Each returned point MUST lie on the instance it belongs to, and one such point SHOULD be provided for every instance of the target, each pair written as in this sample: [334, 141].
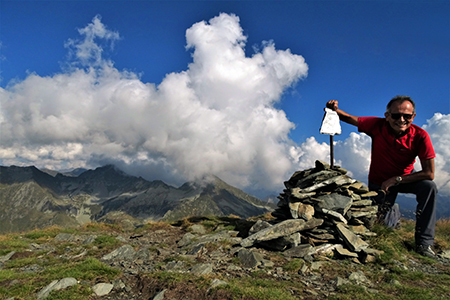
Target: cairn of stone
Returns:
[321, 210]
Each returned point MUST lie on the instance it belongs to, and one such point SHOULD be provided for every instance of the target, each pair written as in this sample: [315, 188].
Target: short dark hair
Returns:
[401, 99]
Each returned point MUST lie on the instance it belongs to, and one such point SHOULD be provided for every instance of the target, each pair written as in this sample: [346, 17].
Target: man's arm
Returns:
[427, 173]
[343, 116]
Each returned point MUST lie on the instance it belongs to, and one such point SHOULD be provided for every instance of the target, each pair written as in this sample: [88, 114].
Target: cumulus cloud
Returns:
[439, 128]
[216, 117]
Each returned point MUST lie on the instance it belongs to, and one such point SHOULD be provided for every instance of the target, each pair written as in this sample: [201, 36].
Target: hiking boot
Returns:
[425, 251]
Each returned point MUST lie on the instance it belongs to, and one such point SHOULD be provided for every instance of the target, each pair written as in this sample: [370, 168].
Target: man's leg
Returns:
[425, 192]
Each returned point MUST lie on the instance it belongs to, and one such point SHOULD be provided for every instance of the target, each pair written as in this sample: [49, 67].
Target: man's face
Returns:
[400, 116]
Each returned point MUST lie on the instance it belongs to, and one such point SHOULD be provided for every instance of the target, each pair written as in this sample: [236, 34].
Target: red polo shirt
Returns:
[393, 156]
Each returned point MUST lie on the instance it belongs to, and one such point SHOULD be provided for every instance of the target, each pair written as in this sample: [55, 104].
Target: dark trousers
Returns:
[425, 191]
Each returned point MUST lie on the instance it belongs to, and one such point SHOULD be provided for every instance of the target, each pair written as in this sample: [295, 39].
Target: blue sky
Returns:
[361, 53]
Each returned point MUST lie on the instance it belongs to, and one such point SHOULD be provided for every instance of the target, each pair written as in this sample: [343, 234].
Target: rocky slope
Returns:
[199, 258]
[30, 198]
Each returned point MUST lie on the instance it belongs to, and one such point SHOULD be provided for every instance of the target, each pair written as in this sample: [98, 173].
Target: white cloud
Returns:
[438, 127]
[216, 117]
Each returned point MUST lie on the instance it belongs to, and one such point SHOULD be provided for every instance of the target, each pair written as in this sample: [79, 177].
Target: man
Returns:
[396, 143]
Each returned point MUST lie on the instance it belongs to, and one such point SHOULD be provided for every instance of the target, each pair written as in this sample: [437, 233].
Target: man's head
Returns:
[400, 113]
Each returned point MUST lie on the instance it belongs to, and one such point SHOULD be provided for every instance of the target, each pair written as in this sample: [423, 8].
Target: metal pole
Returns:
[331, 151]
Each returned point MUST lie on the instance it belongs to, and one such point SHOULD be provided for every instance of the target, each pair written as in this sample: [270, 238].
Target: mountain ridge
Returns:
[62, 200]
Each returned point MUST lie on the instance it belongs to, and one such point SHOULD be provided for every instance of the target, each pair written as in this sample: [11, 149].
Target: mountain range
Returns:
[32, 198]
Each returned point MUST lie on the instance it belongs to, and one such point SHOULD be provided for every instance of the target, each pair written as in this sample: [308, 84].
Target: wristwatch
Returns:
[398, 180]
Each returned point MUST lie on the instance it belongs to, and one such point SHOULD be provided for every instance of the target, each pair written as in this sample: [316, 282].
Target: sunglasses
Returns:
[398, 116]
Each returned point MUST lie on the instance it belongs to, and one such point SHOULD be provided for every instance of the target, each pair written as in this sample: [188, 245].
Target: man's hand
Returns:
[388, 183]
[343, 116]
[427, 173]
[332, 104]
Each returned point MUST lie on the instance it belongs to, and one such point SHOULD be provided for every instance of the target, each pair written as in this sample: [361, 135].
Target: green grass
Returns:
[106, 241]
[263, 289]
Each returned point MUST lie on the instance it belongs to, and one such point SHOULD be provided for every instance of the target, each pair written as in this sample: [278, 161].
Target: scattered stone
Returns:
[359, 278]
[160, 295]
[65, 237]
[202, 269]
[56, 285]
[6, 257]
[198, 229]
[126, 252]
[444, 254]
[258, 226]
[176, 266]
[216, 283]
[102, 289]
[250, 259]
[300, 251]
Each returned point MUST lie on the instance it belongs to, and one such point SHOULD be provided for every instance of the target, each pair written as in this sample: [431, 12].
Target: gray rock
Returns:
[198, 250]
[65, 237]
[344, 252]
[102, 289]
[300, 251]
[362, 203]
[359, 278]
[126, 252]
[297, 194]
[284, 228]
[250, 259]
[335, 215]
[335, 202]
[89, 239]
[282, 243]
[143, 254]
[121, 238]
[160, 295]
[233, 267]
[176, 266]
[202, 269]
[198, 229]
[315, 177]
[363, 212]
[41, 247]
[444, 254]
[258, 226]
[337, 181]
[219, 236]
[216, 283]
[34, 268]
[351, 240]
[56, 285]
[341, 281]
[6, 257]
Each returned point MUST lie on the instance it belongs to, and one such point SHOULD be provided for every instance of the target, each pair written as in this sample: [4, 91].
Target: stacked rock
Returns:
[341, 203]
